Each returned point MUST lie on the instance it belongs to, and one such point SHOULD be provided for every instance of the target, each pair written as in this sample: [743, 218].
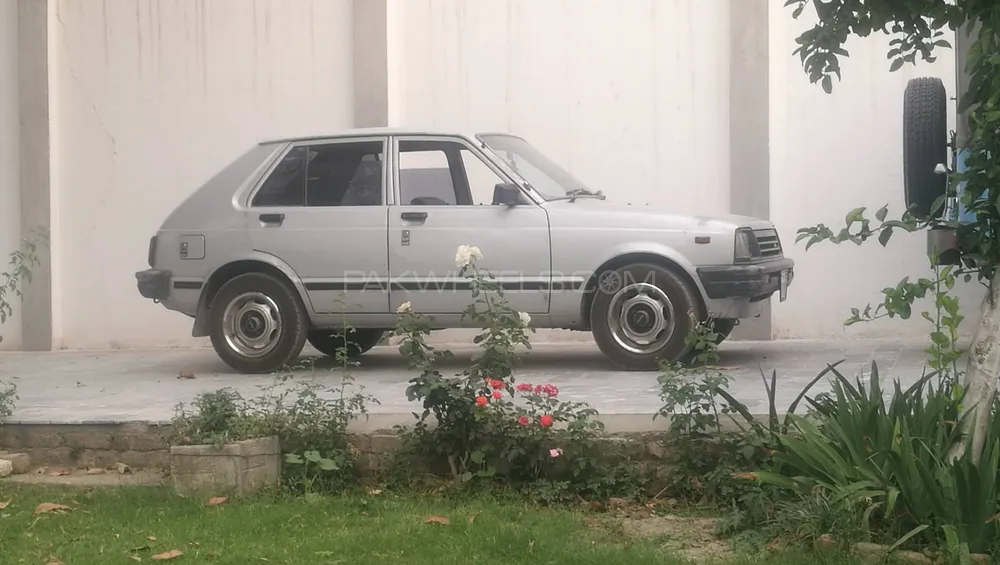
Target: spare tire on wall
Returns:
[925, 143]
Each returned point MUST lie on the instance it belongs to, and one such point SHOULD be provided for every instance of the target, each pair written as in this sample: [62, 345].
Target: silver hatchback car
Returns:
[297, 237]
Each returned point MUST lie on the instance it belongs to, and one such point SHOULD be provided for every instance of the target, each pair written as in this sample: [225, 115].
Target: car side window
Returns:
[443, 173]
[425, 176]
[332, 174]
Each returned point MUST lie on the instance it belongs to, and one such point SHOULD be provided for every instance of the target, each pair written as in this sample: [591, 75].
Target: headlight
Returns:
[742, 251]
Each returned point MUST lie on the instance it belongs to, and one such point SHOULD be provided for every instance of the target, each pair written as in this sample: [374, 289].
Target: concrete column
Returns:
[33, 92]
[371, 63]
[749, 134]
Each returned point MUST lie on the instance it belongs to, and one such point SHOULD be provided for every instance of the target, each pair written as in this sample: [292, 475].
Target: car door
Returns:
[443, 190]
[322, 210]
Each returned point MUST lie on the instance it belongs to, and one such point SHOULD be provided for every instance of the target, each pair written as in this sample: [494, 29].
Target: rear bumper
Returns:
[756, 282]
[154, 284]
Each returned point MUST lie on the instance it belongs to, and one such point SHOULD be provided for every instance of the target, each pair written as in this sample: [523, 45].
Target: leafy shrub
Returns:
[310, 421]
[891, 459]
[8, 398]
[20, 264]
[481, 425]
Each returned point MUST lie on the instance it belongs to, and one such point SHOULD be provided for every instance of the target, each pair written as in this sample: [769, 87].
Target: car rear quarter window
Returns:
[331, 174]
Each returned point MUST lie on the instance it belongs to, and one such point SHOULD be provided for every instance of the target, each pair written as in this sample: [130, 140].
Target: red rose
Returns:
[523, 387]
[545, 421]
[496, 384]
[524, 420]
[481, 400]
[497, 395]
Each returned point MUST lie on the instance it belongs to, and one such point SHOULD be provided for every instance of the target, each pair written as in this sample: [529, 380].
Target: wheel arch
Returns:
[660, 258]
[256, 263]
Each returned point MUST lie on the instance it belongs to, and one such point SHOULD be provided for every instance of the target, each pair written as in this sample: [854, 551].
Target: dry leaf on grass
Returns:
[172, 554]
[5, 504]
[151, 538]
[50, 507]
[437, 520]
[135, 558]
[217, 500]
[473, 517]
[54, 561]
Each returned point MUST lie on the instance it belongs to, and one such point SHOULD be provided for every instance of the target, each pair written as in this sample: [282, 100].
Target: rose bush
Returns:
[483, 425]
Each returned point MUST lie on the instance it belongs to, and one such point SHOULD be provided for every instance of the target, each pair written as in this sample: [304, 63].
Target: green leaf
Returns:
[855, 215]
[882, 213]
[328, 465]
[884, 236]
[827, 84]
[896, 65]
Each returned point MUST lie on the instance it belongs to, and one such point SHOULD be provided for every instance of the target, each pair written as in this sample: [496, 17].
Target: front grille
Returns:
[768, 243]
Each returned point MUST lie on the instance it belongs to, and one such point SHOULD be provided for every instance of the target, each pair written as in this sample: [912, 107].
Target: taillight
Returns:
[151, 257]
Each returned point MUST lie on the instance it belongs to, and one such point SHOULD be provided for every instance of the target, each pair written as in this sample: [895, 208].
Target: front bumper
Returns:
[754, 281]
[154, 284]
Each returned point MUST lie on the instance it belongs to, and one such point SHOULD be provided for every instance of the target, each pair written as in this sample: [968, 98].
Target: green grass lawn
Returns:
[132, 524]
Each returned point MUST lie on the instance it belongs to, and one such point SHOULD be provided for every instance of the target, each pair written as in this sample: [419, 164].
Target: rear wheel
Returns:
[925, 143]
[640, 316]
[257, 323]
[359, 341]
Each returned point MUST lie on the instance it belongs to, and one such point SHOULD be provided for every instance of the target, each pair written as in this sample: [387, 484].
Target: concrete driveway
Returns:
[123, 385]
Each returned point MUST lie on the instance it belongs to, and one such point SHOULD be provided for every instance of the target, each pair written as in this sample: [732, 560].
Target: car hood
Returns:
[610, 214]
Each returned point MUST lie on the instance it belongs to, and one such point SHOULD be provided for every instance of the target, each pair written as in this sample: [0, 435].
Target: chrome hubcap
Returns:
[641, 318]
[251, 324]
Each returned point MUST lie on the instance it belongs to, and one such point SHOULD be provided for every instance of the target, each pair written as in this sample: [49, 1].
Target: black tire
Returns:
[359, 341]
[925, 143]
[722, 328]
[683, 297]
[291, 333]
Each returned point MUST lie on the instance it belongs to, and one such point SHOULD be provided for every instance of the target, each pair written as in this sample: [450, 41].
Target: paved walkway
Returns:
[75, 386]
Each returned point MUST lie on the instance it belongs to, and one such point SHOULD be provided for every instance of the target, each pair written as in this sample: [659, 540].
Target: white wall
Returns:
[632, 97]
[151, 99]
[830, 154]
[10, 201]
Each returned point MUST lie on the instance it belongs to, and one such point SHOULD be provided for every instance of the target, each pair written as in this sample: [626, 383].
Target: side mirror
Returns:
[507, 194]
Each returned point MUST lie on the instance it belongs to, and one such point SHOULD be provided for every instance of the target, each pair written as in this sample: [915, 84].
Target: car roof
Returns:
[365, 132]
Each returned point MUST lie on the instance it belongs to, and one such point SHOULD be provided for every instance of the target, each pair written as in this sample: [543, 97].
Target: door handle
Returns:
[413, 216]
[272, 219]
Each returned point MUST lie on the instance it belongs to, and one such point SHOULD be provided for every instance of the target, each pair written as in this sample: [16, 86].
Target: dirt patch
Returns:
[80, 478]
[689, 537]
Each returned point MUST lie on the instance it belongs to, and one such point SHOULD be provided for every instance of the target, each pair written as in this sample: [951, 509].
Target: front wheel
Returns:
[358, 341]
[257, 323]
[641, 316]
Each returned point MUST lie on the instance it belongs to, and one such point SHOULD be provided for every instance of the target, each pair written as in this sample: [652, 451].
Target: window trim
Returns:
[247, 201]
[462, 141]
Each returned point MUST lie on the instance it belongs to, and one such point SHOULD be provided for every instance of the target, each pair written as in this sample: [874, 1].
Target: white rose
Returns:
[525, 318]
[404, 308]
[466, 254]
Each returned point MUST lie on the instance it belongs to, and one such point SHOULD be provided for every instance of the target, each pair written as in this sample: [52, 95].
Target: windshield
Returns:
[545, 176]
